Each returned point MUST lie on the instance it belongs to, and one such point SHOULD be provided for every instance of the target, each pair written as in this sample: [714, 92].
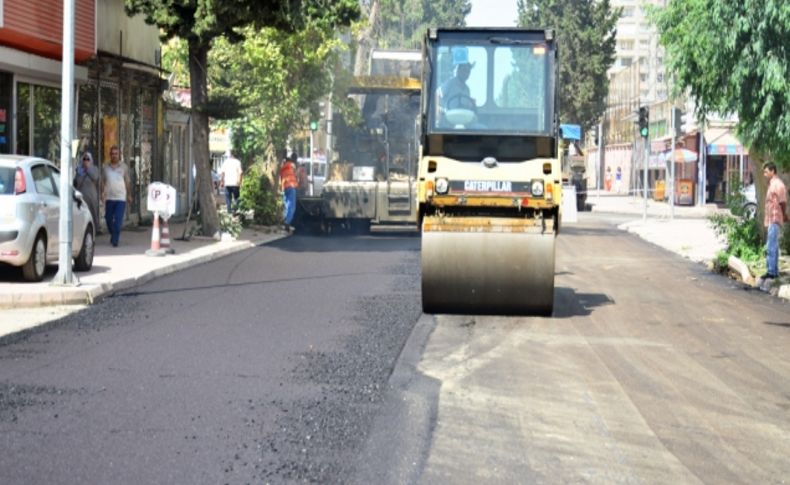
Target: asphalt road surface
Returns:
[652, 370]
[266, 366]
[308, 360]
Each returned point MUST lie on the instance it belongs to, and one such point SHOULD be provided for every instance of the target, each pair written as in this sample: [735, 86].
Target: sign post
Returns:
[162, 202]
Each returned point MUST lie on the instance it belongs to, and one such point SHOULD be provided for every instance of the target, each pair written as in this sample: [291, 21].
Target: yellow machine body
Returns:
[489, 197]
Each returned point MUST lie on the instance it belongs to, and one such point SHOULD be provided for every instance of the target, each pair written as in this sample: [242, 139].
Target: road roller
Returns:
[489, 178]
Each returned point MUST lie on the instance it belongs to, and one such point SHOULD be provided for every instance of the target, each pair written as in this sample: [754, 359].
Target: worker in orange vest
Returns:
[288, 185]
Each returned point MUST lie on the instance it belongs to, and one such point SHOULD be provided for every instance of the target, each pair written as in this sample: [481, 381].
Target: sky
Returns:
[492, 13]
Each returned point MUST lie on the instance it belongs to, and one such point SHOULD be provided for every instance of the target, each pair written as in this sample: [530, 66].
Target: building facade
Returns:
[117, 86]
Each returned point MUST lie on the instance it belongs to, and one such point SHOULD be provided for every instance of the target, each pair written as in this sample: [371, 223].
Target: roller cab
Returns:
[489, 176]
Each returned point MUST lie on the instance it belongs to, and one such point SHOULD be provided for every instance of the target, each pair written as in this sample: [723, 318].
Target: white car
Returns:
[30, 217]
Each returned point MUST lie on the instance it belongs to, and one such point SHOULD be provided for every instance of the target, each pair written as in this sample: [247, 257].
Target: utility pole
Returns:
[600, 161]
[672, 163]
[65, 275]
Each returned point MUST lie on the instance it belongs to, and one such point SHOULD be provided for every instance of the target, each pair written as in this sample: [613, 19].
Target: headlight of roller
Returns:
[537, 188]
[442, 186]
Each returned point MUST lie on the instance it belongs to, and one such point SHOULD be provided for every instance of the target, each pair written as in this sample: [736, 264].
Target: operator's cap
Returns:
[461, 56]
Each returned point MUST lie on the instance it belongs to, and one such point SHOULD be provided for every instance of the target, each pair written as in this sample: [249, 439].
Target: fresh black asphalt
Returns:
[266, 366]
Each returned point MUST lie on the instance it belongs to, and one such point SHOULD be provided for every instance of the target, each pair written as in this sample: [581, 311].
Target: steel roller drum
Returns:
[488, 272]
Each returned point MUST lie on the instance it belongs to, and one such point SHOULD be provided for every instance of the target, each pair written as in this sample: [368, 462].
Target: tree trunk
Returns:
[366, 41]
[198, 58]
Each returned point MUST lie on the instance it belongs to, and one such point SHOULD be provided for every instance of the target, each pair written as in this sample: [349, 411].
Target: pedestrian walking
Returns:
[618, 180]
[230, 177]
[608, 179]
[288, 185]
[116, 190]
[775, 217]
[86, 180]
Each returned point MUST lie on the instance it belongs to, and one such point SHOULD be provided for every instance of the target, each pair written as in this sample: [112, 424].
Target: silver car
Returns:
[30, 217]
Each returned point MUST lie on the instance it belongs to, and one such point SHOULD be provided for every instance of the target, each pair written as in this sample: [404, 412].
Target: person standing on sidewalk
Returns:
[618, 180]
[775, 217]
[230, 178]
[608, 180]
[116, 191]
[86, 181]
[288, 185]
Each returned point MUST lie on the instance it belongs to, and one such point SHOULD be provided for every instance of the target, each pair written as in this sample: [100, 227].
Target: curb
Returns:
[90, 294]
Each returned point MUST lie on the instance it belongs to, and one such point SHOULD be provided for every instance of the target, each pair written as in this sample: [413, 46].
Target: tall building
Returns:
[637, 43]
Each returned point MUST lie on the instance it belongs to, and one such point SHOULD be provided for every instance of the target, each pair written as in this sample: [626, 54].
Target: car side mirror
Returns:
[76, 195]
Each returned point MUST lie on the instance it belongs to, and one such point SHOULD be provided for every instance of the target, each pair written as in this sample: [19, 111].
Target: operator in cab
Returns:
[454, 93]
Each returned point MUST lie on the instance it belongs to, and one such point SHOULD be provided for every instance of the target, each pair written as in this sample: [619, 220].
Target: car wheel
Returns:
[33, 269]
[84, 260]
[750, 211]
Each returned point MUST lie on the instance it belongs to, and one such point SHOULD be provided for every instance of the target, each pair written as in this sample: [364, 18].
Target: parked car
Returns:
[30, 217]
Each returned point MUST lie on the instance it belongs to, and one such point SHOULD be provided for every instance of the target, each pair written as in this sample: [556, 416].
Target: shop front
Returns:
[728, 163]
[119, 105]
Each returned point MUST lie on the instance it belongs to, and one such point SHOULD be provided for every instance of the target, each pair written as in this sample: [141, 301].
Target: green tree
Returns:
[277, 77]
[733, 57]
[401, 24]
[199, 23]
[586, 37]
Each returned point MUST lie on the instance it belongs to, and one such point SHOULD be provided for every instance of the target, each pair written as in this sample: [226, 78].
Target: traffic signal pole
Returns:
[672, 165]
[647, 154]
[644, 132]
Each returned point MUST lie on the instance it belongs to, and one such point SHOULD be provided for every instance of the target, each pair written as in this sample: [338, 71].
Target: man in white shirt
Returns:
[230, 178]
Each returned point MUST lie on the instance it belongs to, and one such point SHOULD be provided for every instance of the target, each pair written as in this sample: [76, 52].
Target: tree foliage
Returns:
[586, 38]
[278, 78]
[403, 23]
[734, 57]
[199, 23]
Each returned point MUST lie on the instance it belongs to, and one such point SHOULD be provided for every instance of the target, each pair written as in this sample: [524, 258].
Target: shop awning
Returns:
[658, 145]
[722, 141]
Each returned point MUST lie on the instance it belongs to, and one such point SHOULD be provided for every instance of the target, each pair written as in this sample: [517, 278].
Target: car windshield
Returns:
[7, 180]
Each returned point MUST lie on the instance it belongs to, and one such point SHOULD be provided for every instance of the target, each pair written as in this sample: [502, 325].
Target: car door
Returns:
[49, 204]
[78, 215]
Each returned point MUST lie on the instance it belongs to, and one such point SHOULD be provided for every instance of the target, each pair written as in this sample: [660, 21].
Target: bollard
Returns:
[165, 239]
[156, 248]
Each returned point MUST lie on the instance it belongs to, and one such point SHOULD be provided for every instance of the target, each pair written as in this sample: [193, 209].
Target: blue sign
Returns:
[570, 132]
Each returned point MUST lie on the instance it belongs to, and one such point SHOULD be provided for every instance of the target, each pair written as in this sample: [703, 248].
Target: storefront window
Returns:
[109, 120]
[23, 97]
[6, 87]
[87, 120]
[46, 123]
[38, 121]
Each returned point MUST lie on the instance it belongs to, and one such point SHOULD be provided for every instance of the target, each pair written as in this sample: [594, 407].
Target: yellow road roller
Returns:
[489, 180]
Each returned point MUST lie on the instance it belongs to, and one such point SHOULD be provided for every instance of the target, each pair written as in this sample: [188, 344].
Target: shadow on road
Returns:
[374, 242]
[185, 289]
[778, 324]
[568, 303]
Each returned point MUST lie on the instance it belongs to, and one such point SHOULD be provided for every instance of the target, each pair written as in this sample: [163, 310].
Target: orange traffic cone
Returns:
[165, 239]
[156, 248]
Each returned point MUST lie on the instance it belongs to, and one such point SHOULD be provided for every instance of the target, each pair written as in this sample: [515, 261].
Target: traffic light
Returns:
[313, 125]
[677, 121]
[687, 124]
[594, 133]
[644, 121]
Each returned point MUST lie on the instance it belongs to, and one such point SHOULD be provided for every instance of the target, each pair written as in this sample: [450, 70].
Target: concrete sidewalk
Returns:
[687, 232]
[123, 267]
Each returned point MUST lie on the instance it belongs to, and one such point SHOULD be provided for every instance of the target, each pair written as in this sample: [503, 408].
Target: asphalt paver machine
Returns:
[489, 178]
